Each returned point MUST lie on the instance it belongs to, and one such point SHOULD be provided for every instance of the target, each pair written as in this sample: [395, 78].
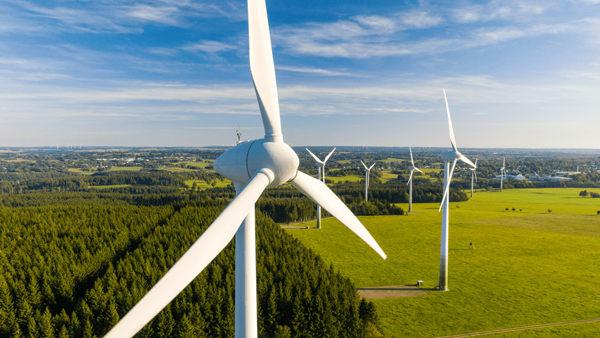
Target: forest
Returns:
[73, 271]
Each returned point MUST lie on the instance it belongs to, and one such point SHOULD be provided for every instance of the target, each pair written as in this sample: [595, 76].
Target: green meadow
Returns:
[203, 185]
[530, 266]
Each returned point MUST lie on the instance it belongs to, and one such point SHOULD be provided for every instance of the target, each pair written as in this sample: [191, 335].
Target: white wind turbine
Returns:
[321, 166]
[449, 156]
[412, 169]
[252, 166]
[473, 175]
[367, 174]
[502, 172]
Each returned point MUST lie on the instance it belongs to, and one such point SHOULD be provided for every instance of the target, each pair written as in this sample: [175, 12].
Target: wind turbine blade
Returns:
[452, 140]
[410, 178]
[411, 157]
[262, 68]
[476, 162]
[475, 172]
[364, 165]
[467, 161]
[322, 195]
[328, 156]
[313, 155]
[419, 170]
[371, 167]
[447, 187]
[198, 256]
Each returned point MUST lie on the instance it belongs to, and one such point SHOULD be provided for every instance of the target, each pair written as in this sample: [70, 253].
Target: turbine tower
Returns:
[473, 175]
[367, 173]
[449, 156]
[252, 166]
[321, 166]
[502, 172]
[412, 169]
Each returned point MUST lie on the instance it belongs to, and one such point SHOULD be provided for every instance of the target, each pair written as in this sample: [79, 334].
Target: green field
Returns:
[197, 164]
[203, 185]
[349, 178]
[529, 267]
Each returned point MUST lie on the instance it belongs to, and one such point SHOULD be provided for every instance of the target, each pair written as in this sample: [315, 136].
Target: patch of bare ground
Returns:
[394, 291]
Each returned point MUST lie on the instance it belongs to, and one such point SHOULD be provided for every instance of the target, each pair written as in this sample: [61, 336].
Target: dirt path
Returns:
[522, 328]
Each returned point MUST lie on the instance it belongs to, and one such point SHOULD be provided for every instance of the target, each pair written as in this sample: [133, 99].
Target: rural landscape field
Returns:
[528, 266]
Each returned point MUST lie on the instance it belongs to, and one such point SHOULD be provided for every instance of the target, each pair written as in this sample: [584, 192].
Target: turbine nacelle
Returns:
[450, 155]
[241, 162]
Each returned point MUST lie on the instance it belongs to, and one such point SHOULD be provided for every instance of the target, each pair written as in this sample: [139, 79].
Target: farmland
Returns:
[530, 266]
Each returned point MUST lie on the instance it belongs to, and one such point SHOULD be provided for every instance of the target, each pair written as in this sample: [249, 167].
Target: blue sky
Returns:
[522, 74]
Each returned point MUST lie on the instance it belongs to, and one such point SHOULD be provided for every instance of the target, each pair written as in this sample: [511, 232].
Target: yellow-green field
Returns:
[203, 185]
[197, 164]
[529, 267]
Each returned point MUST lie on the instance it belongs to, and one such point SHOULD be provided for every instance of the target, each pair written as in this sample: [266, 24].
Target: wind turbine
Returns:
[367, 173]
[252, 166]
[502, 172]
[320, 164]
[473, 174]
[412, 169]
[449, 156]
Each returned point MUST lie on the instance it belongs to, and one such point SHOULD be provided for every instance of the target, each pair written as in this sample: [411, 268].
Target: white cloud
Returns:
[317, 71]
[513, 10]
[162, 14]
[210, 47]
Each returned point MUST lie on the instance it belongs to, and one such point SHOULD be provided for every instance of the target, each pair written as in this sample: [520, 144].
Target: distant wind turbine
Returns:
[473, 175]
[321, 176]
[449, 156]
[502, 173]
[252, 166]
[412, 169]
[367, 174]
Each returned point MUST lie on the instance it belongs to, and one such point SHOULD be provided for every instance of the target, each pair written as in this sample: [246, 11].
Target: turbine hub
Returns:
[241, 162]
[449, 156]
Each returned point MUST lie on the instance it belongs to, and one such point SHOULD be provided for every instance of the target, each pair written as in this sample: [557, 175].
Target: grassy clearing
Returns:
[387, 175]
[528, 267]
[203, 185]
[125, 168]
[197, 164]
[350, 178]
[392, 160]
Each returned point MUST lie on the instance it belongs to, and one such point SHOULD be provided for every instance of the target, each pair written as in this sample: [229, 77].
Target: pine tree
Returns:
[110, 317]
[46, 329]
[32, 330]
[184, 328]
[88, 329]
[64, 332]
[166, 324]
[75, 325]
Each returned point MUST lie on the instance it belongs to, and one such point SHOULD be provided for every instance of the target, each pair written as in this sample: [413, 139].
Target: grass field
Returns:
[528, 267]
[197, 164]
[203, 185]
[350, 178]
